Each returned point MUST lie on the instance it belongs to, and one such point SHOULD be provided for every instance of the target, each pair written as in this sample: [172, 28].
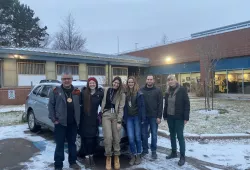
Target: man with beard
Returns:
[153, 103]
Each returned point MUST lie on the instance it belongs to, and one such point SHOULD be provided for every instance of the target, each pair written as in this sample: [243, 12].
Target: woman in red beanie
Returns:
[91, 99]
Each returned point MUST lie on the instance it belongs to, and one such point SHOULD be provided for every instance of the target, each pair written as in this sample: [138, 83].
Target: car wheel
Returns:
[78, 143]
[32, 122]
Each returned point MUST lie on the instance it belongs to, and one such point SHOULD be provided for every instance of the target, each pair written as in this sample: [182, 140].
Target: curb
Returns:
[165, 134]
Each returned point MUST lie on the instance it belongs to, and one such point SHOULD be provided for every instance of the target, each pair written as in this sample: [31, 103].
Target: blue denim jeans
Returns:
[134, 134]
[149, 122]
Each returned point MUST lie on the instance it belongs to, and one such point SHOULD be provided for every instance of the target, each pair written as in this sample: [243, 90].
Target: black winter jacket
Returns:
[182, 105]
[153, 99]
[89, 124]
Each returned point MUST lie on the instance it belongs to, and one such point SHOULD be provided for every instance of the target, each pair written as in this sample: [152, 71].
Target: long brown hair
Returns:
[135, 88]
[87, 95]
[120, 89]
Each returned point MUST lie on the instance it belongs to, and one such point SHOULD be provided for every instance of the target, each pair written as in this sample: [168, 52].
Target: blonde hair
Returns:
[171, 76]
[135, 88]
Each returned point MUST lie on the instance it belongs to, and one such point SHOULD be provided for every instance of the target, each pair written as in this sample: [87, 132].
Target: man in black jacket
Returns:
[153, 104]
[176, 112]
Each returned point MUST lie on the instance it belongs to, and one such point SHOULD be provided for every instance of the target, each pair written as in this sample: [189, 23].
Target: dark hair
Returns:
[150, 75]
[120, 82]
[120, 88]
[87, 95]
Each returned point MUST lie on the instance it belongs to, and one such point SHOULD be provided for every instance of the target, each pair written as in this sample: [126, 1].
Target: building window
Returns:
[31, 67]
[220, 82]
[246, 79]
[70, 68]
[195, 77]
[235, 81]
[118, 71]
[96, 70]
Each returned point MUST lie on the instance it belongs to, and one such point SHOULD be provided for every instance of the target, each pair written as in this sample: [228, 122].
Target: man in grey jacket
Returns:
[153, 99]
[64, 112]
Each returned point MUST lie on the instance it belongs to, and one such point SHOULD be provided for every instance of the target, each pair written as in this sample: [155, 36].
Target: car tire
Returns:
[33, 126]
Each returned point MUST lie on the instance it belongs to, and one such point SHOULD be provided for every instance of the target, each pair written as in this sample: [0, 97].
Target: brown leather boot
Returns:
[108, 163]
[117, 162]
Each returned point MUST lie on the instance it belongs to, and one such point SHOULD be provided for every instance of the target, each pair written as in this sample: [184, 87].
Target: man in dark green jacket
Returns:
[153, 105]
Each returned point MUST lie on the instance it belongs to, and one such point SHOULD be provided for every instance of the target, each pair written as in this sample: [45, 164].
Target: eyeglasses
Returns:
[64, 79]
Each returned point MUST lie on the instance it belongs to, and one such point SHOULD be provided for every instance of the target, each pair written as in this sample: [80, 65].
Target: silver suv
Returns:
[36, 112]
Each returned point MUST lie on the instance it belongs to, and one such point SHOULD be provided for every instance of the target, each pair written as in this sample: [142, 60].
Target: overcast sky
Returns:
[138, 21]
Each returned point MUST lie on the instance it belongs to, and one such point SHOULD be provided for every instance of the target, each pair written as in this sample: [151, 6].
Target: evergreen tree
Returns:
[18, 26]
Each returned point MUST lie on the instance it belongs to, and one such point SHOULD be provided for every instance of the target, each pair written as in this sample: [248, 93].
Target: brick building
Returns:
[183, 58]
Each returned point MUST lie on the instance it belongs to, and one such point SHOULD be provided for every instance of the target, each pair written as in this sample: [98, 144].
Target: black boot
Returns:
[172, 155]
[182, 160]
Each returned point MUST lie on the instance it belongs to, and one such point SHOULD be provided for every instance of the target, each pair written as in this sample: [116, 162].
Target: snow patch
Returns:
[12, 108]
[211, 112]
[222, 152]
[160, 164]
[44, 158]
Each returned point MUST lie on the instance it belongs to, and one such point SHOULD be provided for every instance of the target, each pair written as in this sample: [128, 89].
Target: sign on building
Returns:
[11, 94]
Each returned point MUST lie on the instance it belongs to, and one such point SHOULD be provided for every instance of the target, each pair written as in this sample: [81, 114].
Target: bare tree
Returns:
[69, 37]
[209, 56]
[164, 39]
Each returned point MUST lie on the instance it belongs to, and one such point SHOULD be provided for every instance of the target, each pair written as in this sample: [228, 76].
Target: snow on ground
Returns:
[39, 161]
[11, 115]
[212, 112]
[12, 108]
[44, 159]
[233, 117]
[161, 164]
[235, 153]
[10, 118]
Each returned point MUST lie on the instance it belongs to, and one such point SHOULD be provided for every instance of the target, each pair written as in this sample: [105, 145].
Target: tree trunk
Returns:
[208, 98]
[208, 92]
[205, 94]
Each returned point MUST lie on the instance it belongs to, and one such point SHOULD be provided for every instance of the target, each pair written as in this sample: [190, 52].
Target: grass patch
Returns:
[223, 111]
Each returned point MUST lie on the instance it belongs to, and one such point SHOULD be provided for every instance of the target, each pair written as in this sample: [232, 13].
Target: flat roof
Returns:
[223, 29]
[74, 56]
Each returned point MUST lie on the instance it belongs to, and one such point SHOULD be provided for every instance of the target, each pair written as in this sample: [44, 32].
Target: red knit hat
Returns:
[93, 79]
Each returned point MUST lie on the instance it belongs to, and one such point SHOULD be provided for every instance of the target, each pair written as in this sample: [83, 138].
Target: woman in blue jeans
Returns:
[134, 115]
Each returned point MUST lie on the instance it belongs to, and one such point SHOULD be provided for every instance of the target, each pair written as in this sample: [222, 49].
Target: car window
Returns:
[36, 90]
[45, 91]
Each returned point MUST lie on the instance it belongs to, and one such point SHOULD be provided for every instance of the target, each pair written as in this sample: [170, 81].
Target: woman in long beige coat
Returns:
[112, 113]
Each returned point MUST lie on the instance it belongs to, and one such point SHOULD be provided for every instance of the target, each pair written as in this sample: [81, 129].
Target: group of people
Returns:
[140, 110]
